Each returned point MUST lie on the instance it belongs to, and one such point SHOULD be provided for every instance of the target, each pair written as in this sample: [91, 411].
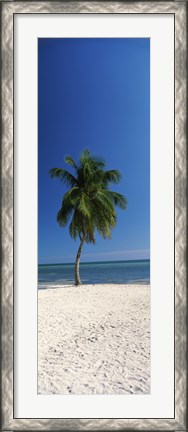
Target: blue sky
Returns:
[95, 94]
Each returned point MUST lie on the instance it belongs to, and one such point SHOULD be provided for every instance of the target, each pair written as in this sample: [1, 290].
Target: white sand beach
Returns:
[94, 339]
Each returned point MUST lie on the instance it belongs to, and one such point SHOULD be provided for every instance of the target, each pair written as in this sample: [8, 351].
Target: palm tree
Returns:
[89, 202]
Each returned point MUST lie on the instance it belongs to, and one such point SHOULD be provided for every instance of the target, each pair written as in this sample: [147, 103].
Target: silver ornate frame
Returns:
[8, 8]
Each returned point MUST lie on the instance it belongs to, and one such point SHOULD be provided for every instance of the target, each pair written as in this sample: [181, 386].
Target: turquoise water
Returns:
[95, 273]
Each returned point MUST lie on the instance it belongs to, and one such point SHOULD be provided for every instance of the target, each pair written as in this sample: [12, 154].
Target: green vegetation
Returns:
[88, 203]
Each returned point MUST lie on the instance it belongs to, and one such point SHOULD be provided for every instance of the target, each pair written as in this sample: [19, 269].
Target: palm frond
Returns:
[104, 201]
[94, 161]
[69, 202]
[73, 228]
[72, 196]
[87, 171]
[64, 175]
[90, 234]
[111, 176]
[83, 206]
[64, 215]
[118, 199]
[76, 225]
[70, 161]
[104, 219]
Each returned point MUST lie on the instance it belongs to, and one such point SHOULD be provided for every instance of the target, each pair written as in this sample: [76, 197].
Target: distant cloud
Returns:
[119, 252]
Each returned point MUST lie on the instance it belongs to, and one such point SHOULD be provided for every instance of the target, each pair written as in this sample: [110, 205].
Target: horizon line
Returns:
[93, 262]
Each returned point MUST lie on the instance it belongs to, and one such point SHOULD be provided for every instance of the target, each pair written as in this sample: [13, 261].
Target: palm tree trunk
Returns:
[77, 264]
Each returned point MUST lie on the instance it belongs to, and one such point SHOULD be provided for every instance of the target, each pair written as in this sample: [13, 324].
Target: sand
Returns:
[94, 339]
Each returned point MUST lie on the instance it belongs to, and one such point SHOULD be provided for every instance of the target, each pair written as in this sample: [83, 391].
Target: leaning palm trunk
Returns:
[77, 264]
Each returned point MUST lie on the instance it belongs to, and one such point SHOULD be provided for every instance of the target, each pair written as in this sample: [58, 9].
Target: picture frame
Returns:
[9, 422]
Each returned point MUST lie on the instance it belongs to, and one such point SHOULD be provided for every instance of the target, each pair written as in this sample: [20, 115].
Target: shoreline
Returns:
[94, 339]
[48, 286]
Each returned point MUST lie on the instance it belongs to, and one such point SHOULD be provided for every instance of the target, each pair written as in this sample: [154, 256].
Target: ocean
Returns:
[114, 272]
